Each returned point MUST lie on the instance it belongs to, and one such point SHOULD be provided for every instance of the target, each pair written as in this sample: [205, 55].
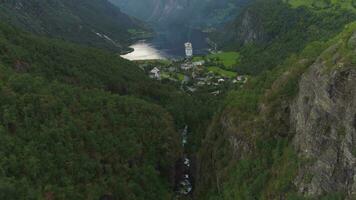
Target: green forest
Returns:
[77, 121]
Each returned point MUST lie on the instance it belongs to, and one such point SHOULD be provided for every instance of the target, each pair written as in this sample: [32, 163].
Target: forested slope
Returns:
[95, 23]
[67, 131]
[290, 132]
[64, 142]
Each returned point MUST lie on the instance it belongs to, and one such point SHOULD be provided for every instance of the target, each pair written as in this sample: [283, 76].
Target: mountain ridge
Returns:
[198, 13]
[93, 23]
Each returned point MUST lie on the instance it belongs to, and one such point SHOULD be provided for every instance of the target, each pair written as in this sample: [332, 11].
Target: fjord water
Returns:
[144, 50]
[168, 43]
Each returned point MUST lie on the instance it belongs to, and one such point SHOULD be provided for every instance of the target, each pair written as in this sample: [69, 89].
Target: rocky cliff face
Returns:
[324, 117]
[249, 30]
[300, 139]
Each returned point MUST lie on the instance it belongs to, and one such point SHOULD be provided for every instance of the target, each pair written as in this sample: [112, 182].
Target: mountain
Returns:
[95, 23]
[290, 132]
[196, 13]
[267, 32]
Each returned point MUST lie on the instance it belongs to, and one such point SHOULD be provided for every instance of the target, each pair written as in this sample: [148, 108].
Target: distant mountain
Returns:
[194, 12]
[94, 23]
[267, 32]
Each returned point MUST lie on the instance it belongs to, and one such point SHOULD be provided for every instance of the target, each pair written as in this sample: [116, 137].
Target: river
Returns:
[168, 44]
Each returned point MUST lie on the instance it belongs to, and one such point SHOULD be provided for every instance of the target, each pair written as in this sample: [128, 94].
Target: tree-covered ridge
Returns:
[95, 23]
[64, 142]
[67, 136]
[68, 63]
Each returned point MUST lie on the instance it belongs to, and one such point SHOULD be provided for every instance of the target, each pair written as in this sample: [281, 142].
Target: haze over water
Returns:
[168, 44]
[144, 51]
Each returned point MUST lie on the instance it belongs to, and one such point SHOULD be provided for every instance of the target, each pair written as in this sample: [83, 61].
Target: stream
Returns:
[184, 180]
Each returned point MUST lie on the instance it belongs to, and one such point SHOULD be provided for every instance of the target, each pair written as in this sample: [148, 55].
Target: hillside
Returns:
[83, 123]
[290, 132]
[64, 142]
[95, 23]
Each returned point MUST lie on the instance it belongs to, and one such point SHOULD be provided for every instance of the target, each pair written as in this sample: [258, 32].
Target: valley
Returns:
[178, 100]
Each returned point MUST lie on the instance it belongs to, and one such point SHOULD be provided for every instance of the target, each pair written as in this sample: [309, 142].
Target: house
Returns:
[155, 73]
[186, 66]
[199, 63]
[191, 89]
[201, 83]
[215, 93]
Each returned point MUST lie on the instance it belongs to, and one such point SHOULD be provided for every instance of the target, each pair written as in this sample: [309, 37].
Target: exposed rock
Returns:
[240, 145]
[250, 30]
[324, 118]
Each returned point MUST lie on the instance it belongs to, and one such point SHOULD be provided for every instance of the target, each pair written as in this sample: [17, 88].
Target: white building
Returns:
[221, 80]
[188, 49]
[199, 63]
[155, 73]
[186, 66]
[239, 78]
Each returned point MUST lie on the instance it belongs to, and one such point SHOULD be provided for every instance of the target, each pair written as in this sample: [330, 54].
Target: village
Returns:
[213, 73]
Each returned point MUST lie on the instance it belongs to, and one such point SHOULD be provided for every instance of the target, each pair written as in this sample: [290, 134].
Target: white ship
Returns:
[188, 49]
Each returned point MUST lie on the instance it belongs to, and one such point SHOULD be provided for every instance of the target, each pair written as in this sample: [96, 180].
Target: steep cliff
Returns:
[324, 118]
[290, 132]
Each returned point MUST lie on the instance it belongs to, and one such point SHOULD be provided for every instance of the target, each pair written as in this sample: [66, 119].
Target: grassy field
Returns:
[180, 76]
[229, 59]
[222, 72]
[165, 75]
